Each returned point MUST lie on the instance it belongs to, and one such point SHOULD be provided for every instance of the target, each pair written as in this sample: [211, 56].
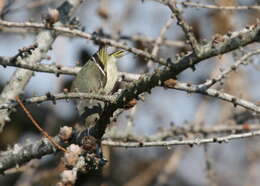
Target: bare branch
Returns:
[20, 154]
[190, 142]
[215, 7]
[185, 27]
[215, 93]
[78, 33]
[51, 68]
[21, 77]
[59, 96]
[147, 82]
[35, 123]
[159, 39]
[234, 67]
[179, 131]
[56, 69]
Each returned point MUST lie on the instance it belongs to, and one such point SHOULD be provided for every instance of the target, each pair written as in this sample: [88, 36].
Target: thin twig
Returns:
[78, 33]
[191, 142]
[54, 68]
[160, 38]
[176, 131]
[233, 67]
[44, 133]
[191, 88]
[185, 27]
[43, 42]
[60, 96]
[215, 7]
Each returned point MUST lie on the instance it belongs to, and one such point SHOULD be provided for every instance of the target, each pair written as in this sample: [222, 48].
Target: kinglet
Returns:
[99, 75]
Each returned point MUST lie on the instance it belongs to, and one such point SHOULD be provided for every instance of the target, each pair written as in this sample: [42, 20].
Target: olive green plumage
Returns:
[98, 75]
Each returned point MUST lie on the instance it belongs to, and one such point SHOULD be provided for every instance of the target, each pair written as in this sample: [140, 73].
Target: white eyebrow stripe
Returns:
[100, 68]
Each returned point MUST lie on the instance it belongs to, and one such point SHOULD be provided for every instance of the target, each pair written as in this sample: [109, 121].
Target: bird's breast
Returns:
[112, 74]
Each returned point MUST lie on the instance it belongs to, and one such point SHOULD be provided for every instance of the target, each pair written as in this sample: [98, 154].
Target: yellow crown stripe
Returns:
[118, 54]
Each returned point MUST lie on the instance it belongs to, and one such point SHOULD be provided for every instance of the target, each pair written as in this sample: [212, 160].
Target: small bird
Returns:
[99, 75]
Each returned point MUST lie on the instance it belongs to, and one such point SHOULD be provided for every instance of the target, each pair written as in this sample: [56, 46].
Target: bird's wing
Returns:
[89, 79]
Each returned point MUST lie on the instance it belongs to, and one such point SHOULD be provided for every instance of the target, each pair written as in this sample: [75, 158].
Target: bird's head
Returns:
[104, 58]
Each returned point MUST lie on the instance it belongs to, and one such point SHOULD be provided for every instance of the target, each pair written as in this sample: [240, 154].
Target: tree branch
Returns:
[147, 82]
[191, 142]
[59, 96]
[21, 77]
